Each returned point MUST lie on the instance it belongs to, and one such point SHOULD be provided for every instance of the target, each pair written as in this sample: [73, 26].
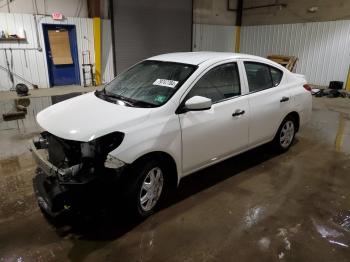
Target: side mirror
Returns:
[198, 103]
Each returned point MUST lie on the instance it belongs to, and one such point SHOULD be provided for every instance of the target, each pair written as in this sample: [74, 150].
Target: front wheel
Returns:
[151, 189]
[145, 188]
[285, 135]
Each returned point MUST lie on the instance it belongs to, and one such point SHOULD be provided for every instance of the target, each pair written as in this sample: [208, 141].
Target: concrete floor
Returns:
[254, 207]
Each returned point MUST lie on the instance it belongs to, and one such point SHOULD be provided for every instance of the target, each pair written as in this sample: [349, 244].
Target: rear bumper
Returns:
[306, 113]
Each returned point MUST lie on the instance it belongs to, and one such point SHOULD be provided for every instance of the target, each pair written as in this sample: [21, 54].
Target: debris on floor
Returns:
[334, 90]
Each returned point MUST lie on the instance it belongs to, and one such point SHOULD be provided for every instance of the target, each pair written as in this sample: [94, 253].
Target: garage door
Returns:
[146, 28]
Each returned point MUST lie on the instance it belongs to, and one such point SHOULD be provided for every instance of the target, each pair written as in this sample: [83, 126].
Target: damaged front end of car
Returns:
[67, 168]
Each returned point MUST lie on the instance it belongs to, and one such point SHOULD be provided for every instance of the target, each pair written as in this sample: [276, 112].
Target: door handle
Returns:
[284, 99]
[238, 112]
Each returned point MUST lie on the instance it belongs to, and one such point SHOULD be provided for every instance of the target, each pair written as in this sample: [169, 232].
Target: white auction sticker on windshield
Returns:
[165, 82]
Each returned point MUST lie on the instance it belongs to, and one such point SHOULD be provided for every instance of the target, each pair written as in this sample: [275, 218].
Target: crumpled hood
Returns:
[87, 117]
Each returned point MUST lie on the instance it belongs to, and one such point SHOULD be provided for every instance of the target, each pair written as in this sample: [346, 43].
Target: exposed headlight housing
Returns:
[107, 143]
[87, 149]
[99, 148]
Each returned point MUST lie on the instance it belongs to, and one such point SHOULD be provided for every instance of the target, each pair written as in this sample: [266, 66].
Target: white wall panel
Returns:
[69, 8]
[213, 38]
[30, 63]
[107, 51]
[322, 47]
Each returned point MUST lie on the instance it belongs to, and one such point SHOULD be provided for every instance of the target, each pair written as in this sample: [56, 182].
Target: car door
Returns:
[269, 100]
[211, 135]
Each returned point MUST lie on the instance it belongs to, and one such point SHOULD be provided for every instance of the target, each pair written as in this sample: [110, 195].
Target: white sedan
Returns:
[162, 119]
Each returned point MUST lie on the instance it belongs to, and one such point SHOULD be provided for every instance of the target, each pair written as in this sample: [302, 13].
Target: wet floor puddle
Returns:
[331, 128]
[20, 113]
[343, 219]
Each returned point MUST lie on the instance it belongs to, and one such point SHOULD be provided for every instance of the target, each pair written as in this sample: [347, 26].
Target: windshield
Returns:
[149, 83]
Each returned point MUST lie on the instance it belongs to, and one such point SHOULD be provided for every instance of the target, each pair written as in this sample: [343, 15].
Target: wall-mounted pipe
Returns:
[8, 6]
[254, 7]
[19, 48]
[39, 48]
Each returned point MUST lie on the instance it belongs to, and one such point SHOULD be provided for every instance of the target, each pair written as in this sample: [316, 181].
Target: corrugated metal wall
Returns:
[107, 51]
[30, 63]
[213, 38]
[323, 48]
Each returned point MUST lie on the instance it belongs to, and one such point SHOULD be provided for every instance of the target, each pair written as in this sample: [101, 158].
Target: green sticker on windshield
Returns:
[160, 99]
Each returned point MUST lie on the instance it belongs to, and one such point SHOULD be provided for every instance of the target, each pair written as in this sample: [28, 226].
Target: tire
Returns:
[145, 187]
[285, 135]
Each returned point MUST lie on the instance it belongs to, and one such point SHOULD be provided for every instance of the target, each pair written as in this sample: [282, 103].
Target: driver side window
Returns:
[220, 83]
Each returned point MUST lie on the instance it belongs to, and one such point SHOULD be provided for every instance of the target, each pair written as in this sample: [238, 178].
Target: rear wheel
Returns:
[285, 134]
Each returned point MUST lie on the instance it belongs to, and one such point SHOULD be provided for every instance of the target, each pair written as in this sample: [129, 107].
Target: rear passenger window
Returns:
[276, 75]
[262, 76]
[218, 84]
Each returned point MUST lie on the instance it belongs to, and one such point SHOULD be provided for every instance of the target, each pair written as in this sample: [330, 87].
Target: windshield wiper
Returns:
[126, 100]
[117, 97]
[121, 98]
[131, 101]
[143, 103]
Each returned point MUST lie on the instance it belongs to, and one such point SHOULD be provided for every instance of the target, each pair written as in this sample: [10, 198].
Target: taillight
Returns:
[307, 87]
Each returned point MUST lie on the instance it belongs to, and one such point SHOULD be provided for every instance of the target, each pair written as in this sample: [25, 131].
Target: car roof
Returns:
[196, 58]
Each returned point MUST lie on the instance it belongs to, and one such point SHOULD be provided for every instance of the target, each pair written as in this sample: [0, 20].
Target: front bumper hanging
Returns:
[60, 189]
[54, 192]
[53, 198]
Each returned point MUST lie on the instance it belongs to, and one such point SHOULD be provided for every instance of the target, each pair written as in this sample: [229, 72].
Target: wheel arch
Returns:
[163, 157]
[296, 116]
[293, 114]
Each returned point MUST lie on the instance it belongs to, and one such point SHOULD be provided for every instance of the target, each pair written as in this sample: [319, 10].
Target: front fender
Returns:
[161, 136]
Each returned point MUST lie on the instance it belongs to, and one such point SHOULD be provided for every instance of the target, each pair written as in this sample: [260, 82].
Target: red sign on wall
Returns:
[57, 16]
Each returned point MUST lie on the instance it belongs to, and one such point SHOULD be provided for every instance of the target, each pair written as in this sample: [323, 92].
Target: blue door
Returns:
[61, 54]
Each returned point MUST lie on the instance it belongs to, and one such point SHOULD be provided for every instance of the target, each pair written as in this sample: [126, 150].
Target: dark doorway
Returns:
[160, 26]
[61, 54]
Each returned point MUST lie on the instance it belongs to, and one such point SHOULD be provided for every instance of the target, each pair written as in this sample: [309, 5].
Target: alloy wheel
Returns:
[151, 189]
[287, 134]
